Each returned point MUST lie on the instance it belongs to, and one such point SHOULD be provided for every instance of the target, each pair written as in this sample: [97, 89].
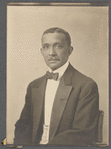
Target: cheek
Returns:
[44, 54]
[63, 55]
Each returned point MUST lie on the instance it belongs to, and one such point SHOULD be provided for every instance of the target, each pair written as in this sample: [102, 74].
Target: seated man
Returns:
[61, 107]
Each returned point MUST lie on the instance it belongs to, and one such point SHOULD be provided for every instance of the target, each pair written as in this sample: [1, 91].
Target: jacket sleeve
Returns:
[84, 127]
[24, 125]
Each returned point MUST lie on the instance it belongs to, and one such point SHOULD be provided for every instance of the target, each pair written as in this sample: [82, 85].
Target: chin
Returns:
[54, 67]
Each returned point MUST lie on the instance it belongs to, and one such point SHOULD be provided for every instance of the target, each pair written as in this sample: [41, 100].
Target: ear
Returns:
[70, 50]
[41, 51]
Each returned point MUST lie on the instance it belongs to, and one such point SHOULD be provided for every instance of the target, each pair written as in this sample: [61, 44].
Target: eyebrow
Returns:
[45, 43]
[54, 43]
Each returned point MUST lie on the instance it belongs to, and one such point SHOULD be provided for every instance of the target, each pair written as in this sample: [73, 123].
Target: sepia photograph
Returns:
[57, 74]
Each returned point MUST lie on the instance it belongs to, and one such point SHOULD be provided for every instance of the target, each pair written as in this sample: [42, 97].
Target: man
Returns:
[61, 107]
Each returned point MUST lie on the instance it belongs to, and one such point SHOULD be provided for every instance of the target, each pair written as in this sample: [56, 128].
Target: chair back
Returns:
[100, 127]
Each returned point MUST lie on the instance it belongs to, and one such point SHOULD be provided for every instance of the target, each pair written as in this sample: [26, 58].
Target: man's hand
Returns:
[4, 143]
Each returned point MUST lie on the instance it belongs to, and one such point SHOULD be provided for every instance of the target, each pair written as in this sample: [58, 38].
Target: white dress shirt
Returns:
[51, 89]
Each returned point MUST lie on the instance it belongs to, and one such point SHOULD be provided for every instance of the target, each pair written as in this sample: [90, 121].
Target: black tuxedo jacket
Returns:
[74, 116]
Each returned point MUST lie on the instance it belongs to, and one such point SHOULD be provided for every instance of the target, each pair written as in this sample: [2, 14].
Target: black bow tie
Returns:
[51, 75]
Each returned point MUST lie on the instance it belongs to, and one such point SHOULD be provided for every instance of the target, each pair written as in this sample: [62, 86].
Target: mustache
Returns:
[53, 58]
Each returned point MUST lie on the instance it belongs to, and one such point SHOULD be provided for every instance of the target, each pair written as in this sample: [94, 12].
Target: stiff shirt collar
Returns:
[60, 70]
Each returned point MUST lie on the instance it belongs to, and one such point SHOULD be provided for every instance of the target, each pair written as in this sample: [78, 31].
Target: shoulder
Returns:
[36, 83]
[81, 79]
[84, 84]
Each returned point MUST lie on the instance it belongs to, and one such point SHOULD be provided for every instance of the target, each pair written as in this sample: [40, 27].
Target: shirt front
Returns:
[51, 89]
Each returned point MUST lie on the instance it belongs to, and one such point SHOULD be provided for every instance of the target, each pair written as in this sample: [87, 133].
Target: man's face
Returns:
[55, 50]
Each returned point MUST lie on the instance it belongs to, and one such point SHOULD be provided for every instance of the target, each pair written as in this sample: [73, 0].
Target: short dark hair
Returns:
[59, 30]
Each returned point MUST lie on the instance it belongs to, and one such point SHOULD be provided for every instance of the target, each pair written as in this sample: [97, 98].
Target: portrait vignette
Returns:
[26, 63]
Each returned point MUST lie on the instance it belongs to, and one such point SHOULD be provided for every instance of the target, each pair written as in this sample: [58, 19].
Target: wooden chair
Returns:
[99, 130]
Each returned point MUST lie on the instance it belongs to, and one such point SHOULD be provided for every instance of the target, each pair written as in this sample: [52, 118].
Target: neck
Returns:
[53, 70]
[61, 69]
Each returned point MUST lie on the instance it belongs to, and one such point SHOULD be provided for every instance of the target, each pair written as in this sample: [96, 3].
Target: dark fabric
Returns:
[74, 116]
[51, 75]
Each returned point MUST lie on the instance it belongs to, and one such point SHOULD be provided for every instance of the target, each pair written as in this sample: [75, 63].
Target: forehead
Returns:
[53, 37]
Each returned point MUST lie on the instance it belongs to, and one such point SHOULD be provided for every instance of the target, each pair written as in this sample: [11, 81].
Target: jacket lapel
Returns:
[38, 102]
[61, 98]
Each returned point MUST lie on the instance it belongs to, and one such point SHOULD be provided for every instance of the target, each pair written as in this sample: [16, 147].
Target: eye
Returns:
[45, 46]
[58, 46]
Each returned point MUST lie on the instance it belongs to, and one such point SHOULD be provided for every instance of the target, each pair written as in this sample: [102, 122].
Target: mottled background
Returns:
[88, 27]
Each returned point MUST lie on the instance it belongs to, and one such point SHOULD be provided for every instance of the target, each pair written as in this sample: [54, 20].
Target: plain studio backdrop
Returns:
[88, 27]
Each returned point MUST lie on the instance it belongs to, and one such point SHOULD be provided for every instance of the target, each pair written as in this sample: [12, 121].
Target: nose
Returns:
[52, 51]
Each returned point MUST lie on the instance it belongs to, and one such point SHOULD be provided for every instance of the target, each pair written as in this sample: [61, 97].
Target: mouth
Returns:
[53, 60]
